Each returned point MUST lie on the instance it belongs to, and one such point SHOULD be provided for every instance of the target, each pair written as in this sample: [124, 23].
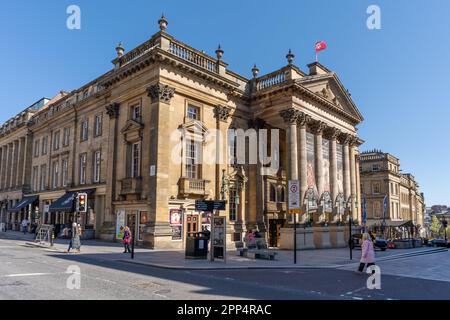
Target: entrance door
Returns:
[131, 223]
[274, 232]
[192, 224]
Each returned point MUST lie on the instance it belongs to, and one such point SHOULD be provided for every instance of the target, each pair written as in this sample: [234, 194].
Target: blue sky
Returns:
[398, 76]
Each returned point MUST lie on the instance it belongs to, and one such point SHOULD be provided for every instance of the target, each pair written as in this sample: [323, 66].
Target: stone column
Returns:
[28, 154]
[345, 139]
[21, 162]
[9, 166]
[358, 187]
[1, 167]
[353, 178]
[4, 167]
[318, 128]
[290, 117]
[332, 135]
[158, 232]
[303, 161]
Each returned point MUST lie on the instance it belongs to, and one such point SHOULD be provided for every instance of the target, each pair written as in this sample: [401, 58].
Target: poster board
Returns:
[120, 224]
[176, 223]
[218, 238]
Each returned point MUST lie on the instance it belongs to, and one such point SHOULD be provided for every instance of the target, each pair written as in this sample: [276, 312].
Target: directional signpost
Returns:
[294, 208]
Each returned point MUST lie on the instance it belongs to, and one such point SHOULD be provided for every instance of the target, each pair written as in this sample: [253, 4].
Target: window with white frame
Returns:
[97, 166]
[44, 146]
[84, 130]
[56, 140]
[136, 160]
[98, 125]
[55, 176]
[83, 166]
[192, 160]
[43, 182]
[65, 172]
[136, 112]
[193, 112]
[35, 178]
[66, 137]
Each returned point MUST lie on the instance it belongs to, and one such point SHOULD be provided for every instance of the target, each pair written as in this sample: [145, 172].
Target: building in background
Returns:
[381, 178]
[116, 138]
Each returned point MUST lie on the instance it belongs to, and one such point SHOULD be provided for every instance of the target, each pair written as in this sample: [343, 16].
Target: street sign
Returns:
[210, 206]
[294, 197]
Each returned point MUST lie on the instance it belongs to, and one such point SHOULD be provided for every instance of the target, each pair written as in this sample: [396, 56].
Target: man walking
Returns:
[25, 225]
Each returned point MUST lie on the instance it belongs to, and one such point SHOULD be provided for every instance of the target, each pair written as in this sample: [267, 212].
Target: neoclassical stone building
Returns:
[157, 109]
[381, 176]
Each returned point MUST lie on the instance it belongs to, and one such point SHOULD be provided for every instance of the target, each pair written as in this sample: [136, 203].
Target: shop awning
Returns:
[24, 203]
[66, 202]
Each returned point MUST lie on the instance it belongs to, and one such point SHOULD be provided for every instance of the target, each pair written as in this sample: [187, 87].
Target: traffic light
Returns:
[82, 202]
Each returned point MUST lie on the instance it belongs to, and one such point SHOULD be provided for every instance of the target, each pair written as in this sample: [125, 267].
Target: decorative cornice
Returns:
[113, 110]
[161, 93]
[222, 113]
[290, 116]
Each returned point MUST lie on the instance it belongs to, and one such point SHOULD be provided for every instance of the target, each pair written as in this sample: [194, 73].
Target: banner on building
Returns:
[120, 224]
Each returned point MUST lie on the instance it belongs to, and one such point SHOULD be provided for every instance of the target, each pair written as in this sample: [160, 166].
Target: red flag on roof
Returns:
[320, 45]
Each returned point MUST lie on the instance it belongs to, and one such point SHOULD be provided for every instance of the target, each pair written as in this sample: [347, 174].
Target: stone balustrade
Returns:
[192, 56]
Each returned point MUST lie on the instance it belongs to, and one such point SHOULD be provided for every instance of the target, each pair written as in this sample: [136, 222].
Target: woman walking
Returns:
[368, 252]
[127, 240]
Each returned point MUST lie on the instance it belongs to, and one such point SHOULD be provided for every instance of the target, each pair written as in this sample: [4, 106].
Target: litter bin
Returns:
[197, 246]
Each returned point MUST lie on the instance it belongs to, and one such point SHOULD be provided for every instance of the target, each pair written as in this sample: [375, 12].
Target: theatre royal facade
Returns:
[116, 138]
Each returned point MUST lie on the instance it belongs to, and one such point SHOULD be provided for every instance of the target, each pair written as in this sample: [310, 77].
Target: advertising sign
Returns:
[176, 223]
[218, 244]
[210, 206]
[120, 224]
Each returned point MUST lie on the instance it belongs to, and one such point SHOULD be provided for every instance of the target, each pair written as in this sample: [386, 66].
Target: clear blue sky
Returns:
[398, 75]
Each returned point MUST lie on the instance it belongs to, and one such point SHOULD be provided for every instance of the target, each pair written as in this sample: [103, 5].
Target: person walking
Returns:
[76, 237]
[367, 253]
[127, 240]
[70, 236]
[25, 225]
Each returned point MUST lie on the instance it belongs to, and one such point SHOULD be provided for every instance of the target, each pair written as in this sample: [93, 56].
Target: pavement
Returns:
[175, 259]
[29, 272]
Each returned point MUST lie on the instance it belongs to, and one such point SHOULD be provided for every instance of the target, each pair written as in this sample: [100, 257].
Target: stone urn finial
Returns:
[255, 71]
[290, 57]
[219, 53]
[120, 50]
[163, 23]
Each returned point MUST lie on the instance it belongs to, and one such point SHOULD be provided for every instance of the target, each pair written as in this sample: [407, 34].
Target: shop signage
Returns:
[210, 206]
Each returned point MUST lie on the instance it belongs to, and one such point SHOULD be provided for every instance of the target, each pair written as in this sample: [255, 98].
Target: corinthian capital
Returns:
[222, 113]
[303, 119]
[332, 133]
[161, 93]
[346, 138]
[112, 110]
[290, 116]
[318, 127]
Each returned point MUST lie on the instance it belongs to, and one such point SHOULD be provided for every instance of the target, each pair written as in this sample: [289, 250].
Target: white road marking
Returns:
[357, 298]
[26, 275]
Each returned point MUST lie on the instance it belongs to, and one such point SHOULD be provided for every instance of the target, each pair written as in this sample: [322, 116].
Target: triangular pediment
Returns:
[195, 126]
[130, 126]
[330, 88]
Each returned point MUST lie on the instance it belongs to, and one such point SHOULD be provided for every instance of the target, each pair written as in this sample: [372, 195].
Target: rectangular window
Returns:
[84, 130]
[56, 138]
[36, 148]
[35, 178]
[376, 167]
[97, 166]
[192, 157]
[55, 177]
[43, 182]
[376, 188]
[193, 112]
[44, 145]
[65, 172]
[233, 205]
[136, 113]
[136, 160]
[98, 128]
[83, 166]
[66, 138]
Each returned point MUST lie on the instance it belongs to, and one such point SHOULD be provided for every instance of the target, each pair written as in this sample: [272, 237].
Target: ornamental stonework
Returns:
[113, 110]
[290, 116]
[161, 93]
[222, 113]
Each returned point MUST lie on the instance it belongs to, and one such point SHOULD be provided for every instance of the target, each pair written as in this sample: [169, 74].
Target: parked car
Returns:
[378, 243]
[438, 243]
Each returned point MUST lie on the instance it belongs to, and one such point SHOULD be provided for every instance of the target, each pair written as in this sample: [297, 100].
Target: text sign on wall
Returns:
[210, 206]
